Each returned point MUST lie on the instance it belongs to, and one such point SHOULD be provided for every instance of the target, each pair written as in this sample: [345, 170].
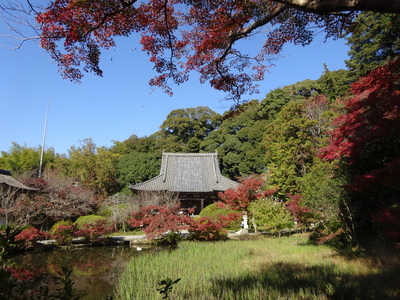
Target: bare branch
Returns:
[19, 20]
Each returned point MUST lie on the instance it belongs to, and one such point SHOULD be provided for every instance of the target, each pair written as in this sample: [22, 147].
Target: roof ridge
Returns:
[188, 154]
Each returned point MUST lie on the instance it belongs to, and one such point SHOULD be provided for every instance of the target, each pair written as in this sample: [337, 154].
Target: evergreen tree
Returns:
[374, 40]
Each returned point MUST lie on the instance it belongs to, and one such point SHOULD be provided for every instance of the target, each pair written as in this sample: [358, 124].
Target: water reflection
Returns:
[94, 269]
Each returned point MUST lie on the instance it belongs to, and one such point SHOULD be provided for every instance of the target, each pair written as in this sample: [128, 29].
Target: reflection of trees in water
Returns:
[94, 270]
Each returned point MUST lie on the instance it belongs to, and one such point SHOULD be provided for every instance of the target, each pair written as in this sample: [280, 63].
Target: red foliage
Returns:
[208, 229]
[57, 199]
[38, 183]
[249, 190]
[373, 113]
[21, 274]
[93, 231]
[367, 136]
[179, 36]
[300, 212]
[30, 236]
[330, 237]
[64, 234]
[156, 220]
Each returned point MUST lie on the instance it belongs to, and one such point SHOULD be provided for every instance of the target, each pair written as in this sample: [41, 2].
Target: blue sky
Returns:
[121, 103]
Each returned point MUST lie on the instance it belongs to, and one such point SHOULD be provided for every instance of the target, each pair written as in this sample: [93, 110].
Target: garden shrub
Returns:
[169, 239]
[92, 227]
[83, 221]
[30, 236]
[156, 220]
[63, 232]
[207, 229]
[214, 211]
[58, 224]
[105, 212]
[95, 230]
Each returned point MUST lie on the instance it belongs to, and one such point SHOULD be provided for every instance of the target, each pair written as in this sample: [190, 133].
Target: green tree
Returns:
[323, 191]
[238, 141]
[134, 143]
[190, 126]
[91, 167]
[22, 158]
[334, 84]
[270, 214]
[137, 167]
[276, 99]
[374, 40]
[292, 139]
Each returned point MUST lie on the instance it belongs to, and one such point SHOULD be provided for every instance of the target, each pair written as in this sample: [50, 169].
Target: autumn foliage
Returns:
[95, 230]
[208, 229]
[30, 236]
[180, 36]
[301, 213]
[247, 191]
[367, 138]
[156, 220]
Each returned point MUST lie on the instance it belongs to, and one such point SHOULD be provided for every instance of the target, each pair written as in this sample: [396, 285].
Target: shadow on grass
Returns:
[296, 281]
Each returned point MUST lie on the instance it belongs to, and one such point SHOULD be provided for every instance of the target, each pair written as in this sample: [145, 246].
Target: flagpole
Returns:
[43, 141]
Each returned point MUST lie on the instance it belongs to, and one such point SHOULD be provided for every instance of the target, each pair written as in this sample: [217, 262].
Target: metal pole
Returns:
[43, 141]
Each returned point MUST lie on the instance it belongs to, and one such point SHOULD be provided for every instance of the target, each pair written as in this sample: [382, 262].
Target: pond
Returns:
[95, 270]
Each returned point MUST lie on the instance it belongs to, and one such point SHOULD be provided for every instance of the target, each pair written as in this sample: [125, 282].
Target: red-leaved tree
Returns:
[240, 198]
[156, 220]
[367, 139]
[183, 36]
[30, 236]
[209, 229]
[59, 198]
[301, 213]
[247, 191]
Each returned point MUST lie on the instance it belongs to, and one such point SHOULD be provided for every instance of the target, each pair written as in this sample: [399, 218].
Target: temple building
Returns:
[196, 178]
[6, 180]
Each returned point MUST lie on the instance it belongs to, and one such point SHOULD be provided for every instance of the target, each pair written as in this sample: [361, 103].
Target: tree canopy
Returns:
[374, 40]
[184, 36]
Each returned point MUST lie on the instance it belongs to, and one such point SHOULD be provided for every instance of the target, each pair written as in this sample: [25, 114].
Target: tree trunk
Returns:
[332, 6]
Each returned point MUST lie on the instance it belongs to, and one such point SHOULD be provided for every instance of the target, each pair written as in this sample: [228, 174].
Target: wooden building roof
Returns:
[6, 178]
[188, 172]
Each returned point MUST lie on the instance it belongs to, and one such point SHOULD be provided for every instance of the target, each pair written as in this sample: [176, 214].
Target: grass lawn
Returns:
[266, 268]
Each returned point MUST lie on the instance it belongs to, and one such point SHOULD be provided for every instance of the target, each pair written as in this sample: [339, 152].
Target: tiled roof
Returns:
[6, 178]
[188, 172]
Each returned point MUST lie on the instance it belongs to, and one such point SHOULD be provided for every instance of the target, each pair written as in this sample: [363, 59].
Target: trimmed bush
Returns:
[93, 227]
[63, 232]
[30, 236]
[84, 221]
[214, 212]
[207, 229]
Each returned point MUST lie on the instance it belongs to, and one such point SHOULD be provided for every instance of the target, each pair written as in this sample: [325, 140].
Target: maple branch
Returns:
[168, 34]
[235, 36]
[332, 6]
[259, 23]
[125, 4]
